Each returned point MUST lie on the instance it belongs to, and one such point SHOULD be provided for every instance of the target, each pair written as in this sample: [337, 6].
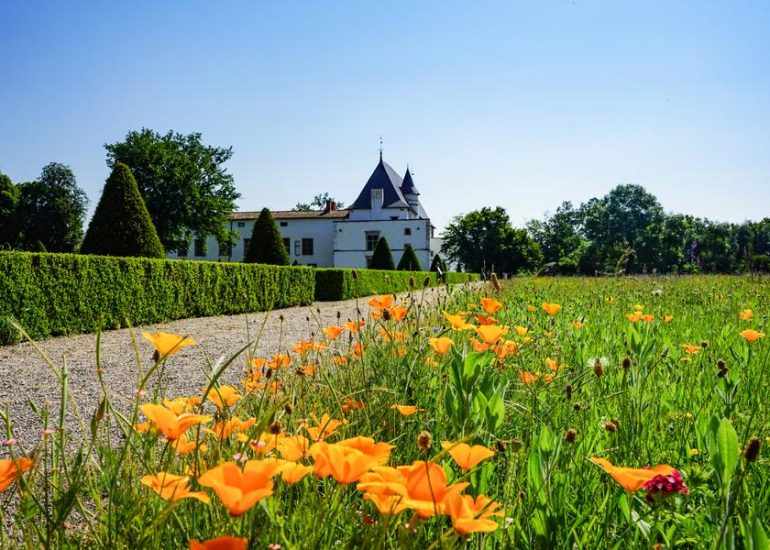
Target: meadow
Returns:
[530, 413]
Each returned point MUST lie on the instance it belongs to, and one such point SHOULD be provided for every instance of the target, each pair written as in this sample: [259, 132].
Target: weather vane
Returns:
[380, 147]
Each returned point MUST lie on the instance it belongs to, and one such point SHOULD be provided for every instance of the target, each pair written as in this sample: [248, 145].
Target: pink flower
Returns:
[663, 486]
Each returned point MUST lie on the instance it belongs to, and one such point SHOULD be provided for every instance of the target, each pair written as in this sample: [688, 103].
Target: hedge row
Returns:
[57, 294]
[339, 284]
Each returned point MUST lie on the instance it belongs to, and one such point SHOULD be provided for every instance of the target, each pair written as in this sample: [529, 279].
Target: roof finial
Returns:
[380, 148]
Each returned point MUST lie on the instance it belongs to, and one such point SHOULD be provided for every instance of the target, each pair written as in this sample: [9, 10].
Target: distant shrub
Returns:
[382, 258]
[266, 245]
[409, 260]
[121, 225]
[58, 294]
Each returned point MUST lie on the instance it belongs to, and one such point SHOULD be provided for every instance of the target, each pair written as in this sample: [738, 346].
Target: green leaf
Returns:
[759, 535]
[727, 449]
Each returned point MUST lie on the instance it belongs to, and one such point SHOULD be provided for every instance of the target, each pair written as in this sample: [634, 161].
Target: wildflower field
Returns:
[570, 413]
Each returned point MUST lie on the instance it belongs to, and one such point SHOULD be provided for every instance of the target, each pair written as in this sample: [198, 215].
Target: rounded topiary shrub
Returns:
[266, 245]
[382, 257]
[409, 260]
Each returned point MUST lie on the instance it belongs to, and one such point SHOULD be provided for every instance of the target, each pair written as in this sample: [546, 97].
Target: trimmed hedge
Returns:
[338, 284]
[58, 294]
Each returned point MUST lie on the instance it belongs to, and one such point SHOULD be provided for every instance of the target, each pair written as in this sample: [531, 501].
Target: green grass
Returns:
[628, 392]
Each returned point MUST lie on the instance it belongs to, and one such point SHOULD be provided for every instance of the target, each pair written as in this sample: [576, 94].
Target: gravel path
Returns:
[27, 378]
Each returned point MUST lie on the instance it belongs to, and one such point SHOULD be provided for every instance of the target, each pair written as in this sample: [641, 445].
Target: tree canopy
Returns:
[183, 182]
[9, 200]
[121, 225]
[266, 245]
[318, 203]
[484, 240]
[51, 210]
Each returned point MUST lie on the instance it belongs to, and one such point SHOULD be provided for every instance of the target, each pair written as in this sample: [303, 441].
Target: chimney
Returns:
[331, 206]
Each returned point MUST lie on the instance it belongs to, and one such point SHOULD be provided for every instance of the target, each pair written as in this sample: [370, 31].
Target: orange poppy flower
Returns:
[689, 348]
[426, 488]
[167, 344]
[441, 345]
[220, 543]
[505, 348]
[634, 317]
[552, 364]
[293, 447]
[357, 352]
[667, 318]
[294, 473]
[367, 445]
[467, 456]
[405, 410]
[223, 396]
[491, 334]
[344, 464]
[578, 325]
[352, 326]
[333, 332]
[632, 479]
[11, 469]
[531, 308]
[239, 490]
[484, 320]
[226, 428]
[746, 315]
[184, 446]
[457, 322]
[279, 360]
[350, 404]
[528, 378]
[491, 306]
[471, 515]
[751, 335]
[551, 309]
[302, 347]
[173, 487]
[381, 302]
[478, 345]
[170, 424]
[647, 318]
[397, 313]
[324, 427]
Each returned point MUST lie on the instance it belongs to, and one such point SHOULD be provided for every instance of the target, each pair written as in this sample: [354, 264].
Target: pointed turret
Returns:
[411, 194]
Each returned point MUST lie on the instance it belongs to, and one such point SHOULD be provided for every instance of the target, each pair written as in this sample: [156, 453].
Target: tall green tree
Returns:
[409, 260]
[484, 240]
[266, 245]
[184, 184]
[559, 237]
[382, 258]
[437, 264]
[121, 225]
[9, 201]
[51, 210]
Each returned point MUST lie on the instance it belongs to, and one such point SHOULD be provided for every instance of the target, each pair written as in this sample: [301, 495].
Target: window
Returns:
[284, 224]
[371, 239]
[287, 244]
[246, 246]
[376, 195]
[182, 252]
[241, 224]
[307, 247]
[407, 231]
[200, 247]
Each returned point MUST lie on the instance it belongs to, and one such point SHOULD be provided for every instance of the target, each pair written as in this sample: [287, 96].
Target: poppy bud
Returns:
[568, 389]
[577, 406]
[751, 452]
[386, 315]
[522, 495]
[626, 363]
[598, 369]
[281, 318]
[570, 436]
[275, 428]
[611, 426]
[354, 274]
[424, 440]
[339, 315]
[411, 282]
[269, 373]
[500, 444]
[426, 282]
[704, 344]
[721, 364]
[288, 409]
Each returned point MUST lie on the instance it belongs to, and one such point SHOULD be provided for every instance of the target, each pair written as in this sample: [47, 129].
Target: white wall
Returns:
[350, 240]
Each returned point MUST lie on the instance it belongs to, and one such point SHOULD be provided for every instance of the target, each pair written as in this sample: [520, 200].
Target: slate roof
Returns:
[407, 187]
[385, 178]
[292, 215]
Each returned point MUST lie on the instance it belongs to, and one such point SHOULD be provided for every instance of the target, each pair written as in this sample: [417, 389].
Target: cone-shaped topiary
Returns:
[409, 260]
[381, 257]
[266, 245]
[121, 225]
[437, 264]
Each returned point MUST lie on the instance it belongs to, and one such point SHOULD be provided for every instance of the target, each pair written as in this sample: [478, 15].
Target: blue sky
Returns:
[517, 104]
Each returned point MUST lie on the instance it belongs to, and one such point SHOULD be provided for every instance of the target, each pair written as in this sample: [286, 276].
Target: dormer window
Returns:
[376, 195]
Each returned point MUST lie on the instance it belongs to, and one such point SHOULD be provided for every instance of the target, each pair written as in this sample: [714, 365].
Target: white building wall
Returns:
[350, 240]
